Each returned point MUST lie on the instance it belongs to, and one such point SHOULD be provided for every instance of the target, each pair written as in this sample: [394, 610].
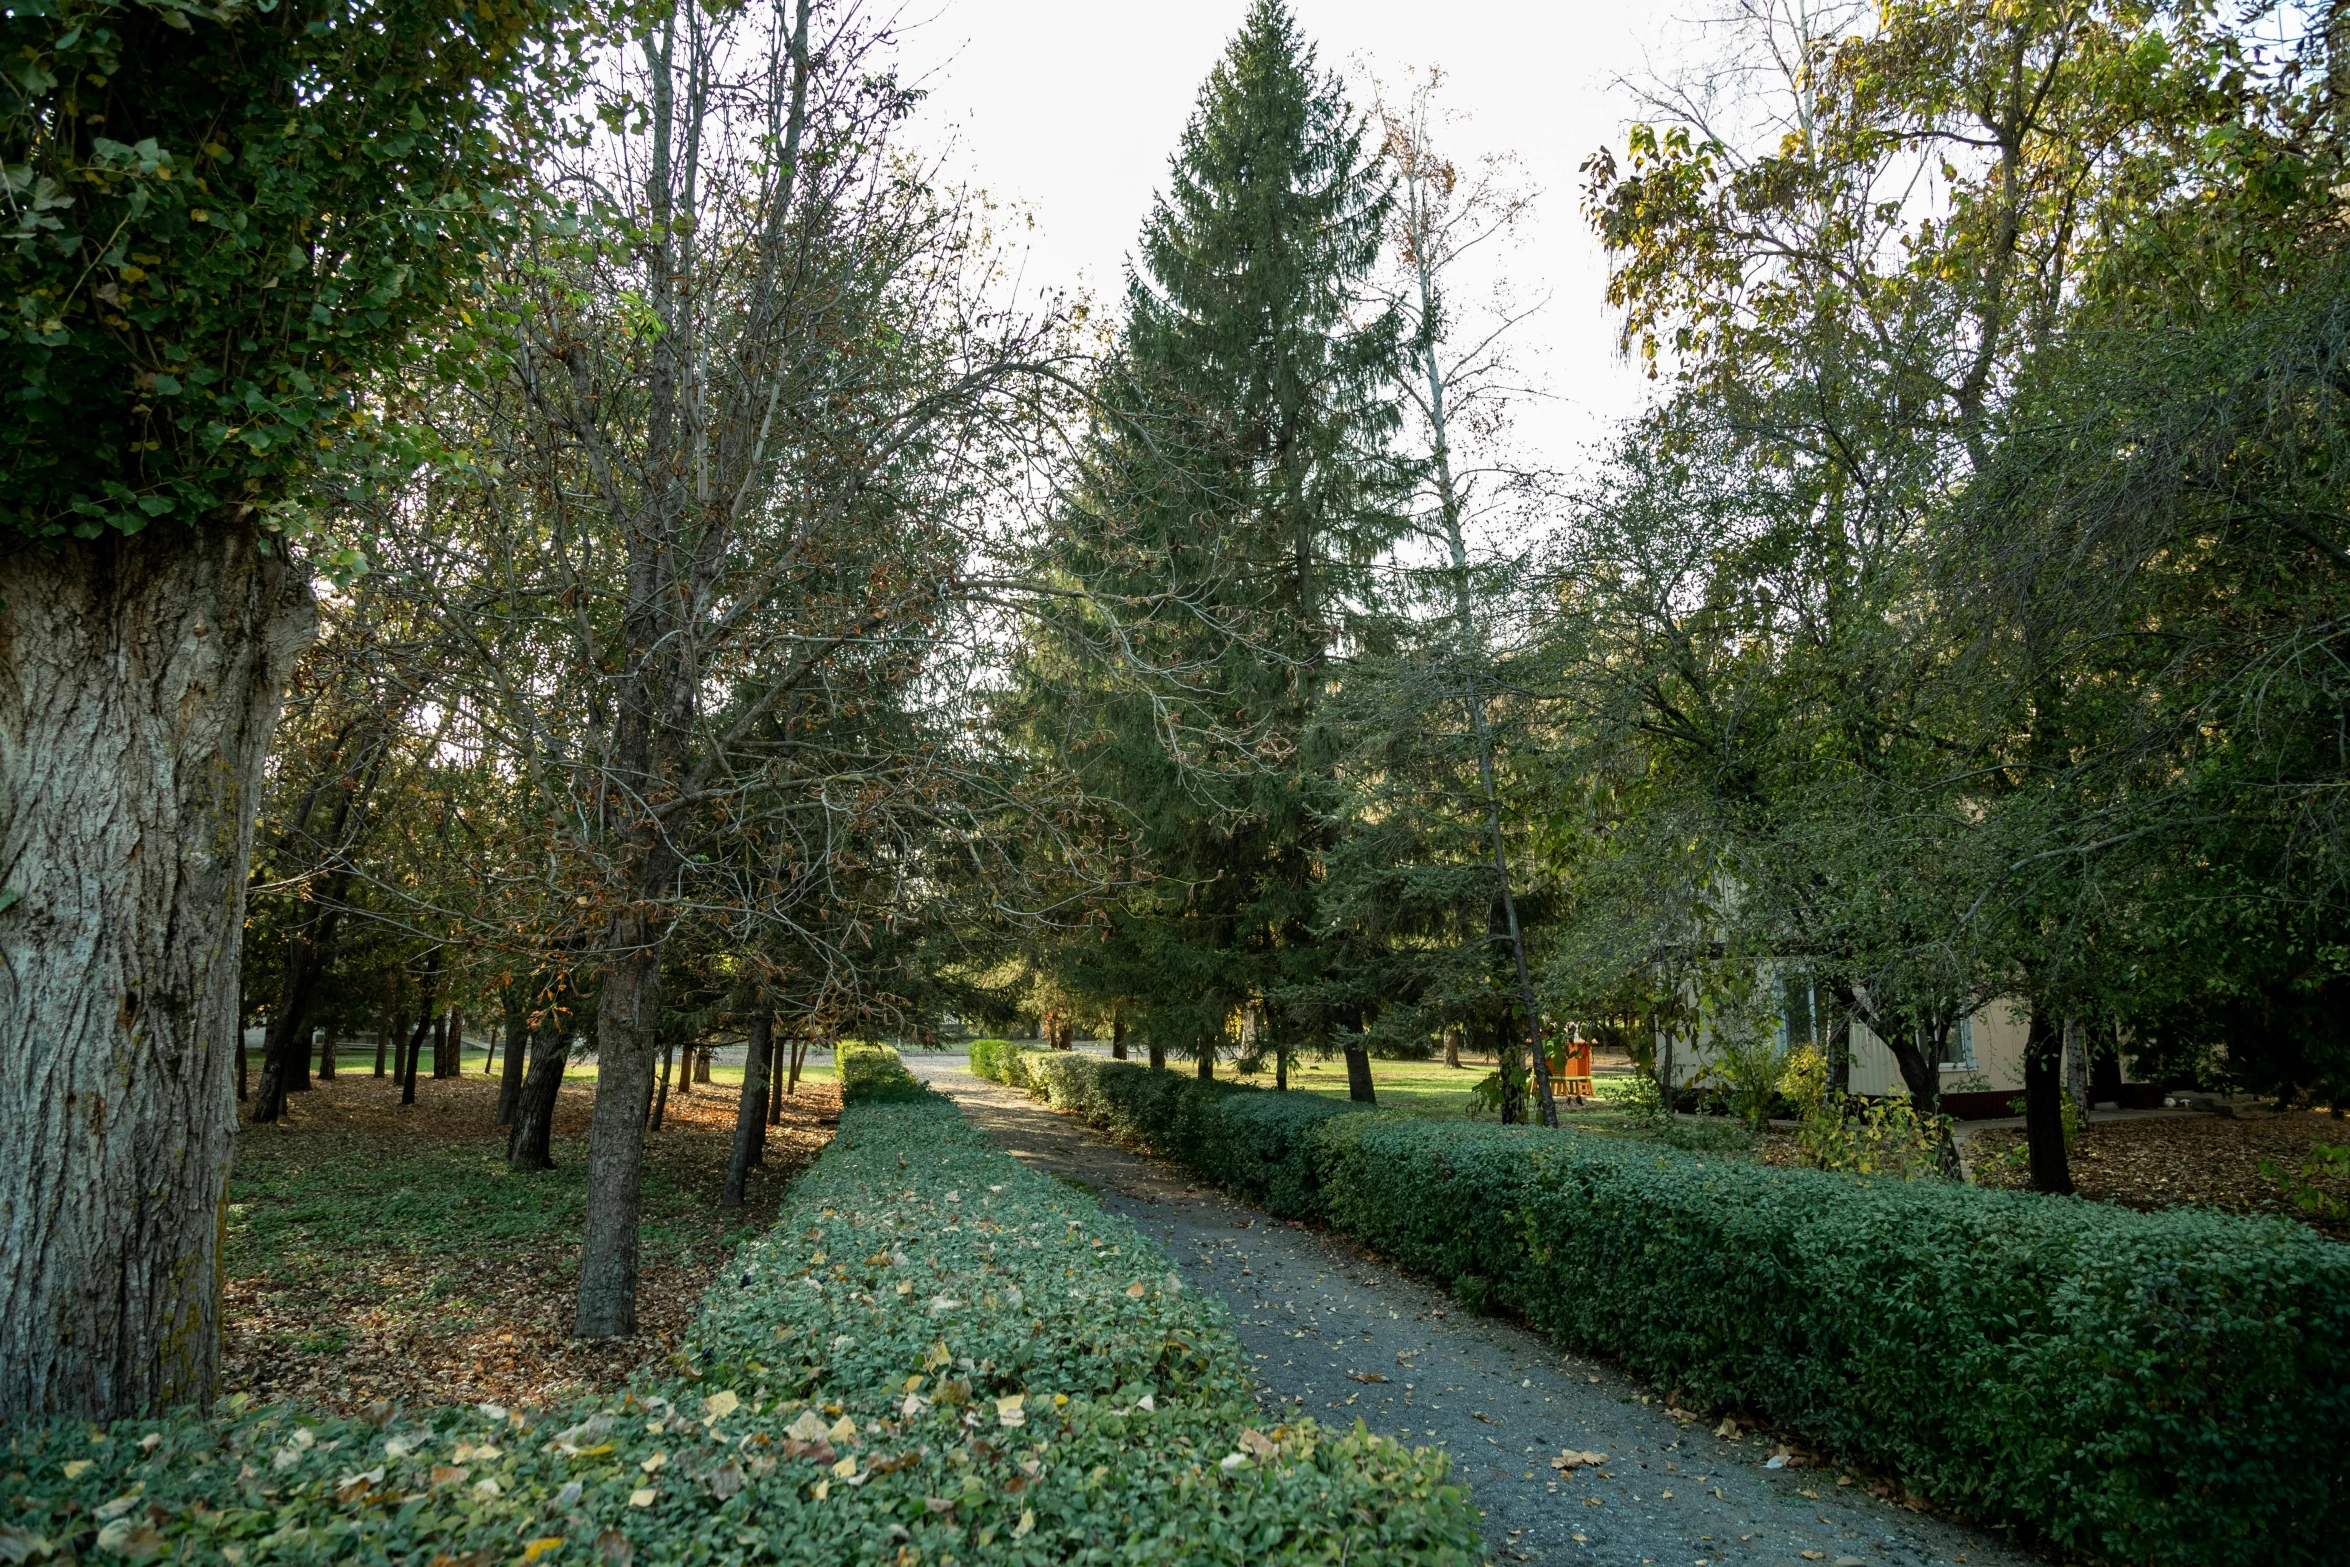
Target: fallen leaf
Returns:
[1135, 1289]
[642, 1496]
[654, 1462]
[1256, 1443]
[1008, 1411]
[541, 1546]
[1815, 1556]
[613, 1549]
[1571, 1460]
[1364, 1376]
[721, 1404]
[1026, 1523]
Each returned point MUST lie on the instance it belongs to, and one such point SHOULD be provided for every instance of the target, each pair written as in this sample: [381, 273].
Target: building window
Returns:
[1796, 1012]
[1959, 1054]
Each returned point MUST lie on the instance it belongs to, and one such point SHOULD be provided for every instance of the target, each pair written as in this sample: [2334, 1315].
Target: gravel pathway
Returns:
[1340, 1336]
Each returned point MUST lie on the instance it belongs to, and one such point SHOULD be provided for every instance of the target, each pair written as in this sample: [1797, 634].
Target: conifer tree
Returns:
[1237, 495]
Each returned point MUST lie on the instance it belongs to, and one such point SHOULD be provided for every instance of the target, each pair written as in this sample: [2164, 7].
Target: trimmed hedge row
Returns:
[2158, 1388]
[935, 1356]
[989, 1057]
[871, 1071]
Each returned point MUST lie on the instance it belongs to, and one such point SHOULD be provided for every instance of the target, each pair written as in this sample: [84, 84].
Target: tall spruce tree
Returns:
[1238, 494]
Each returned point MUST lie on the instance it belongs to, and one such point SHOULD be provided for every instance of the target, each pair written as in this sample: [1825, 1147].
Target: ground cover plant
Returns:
[935, 1355]
[2135, 1387]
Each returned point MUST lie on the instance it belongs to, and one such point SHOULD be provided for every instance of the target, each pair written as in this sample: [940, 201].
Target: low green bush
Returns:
[2167, 1388]
[869, 1071]
[996, 1060]
[935, 1356]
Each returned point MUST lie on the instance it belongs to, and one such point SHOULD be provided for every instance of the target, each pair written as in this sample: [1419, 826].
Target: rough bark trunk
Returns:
[1117, 1039]
[383, 1043]
[628, 1016]
[139, 682]
[2044, 1106]
[1280, 1069]
[750, 1115]
[1452, 1045]
[530, 1144]
[702, 1064]
[1207, 1062]
[517, 1035]
[1158, 1055]
[2076, 1066]
[1358, 1076]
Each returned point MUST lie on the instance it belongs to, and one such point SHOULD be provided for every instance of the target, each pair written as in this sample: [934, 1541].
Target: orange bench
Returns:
[1570, 1070]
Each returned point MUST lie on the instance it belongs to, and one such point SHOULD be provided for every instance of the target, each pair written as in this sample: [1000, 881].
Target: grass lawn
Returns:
[1428, 1088]
[376, 1250]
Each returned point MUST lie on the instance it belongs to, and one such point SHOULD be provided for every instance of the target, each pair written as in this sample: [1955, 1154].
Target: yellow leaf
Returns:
[820, 1490]
[846, 1467]
[541, 1546]
[1135, 1289]
[654, 1462]
[73, 1470]
[642, 1496]
[720, 1405]
[1026, 1523]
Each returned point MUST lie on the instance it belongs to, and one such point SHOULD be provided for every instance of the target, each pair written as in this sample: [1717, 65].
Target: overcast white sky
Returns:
[1071, 109]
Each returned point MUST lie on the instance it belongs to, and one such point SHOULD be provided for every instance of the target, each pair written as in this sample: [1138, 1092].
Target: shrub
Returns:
[994, 1058]
[1042, 1390]
[2159, 1388]
[872, 1072]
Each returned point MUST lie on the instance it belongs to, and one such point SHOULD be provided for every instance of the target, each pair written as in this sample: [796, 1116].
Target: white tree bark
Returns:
[139, 682]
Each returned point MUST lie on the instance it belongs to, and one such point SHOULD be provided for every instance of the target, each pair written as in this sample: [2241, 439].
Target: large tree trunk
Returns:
[1117, 1038]
[1158, 1054]
[1358, 1076]
[750, 1115]
[517, 1036]
[2044, 1105]
[139, 682]
[628, 1018]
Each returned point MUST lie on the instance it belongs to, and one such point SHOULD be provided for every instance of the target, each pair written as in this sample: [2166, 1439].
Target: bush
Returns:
[934, 1354]
[995, 1058]
[2160, 1388]
[872, 1072]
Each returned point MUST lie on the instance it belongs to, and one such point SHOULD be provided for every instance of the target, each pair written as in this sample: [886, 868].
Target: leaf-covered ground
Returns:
[2172, 1161]
[376, 1251]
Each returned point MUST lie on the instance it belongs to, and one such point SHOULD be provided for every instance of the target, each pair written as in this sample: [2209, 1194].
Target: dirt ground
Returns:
[2203, 1160]
[376, 1251]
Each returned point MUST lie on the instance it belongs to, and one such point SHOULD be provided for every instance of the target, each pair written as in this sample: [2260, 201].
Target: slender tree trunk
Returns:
[1207, 1060]
[702, 1064]
[750, 1115]
[326, 1055]
[1452, 1045]
[386, 1028]
[1840, 1052]
[285, 1049]
[244, 1062]
[658, 1104]
[628, 1020]
[1117, 1037]
[444, 1045]
[2076, 1067]
[408, 1064]
[799, 1059]
[1358, 1076]
[530, 1144]
[139, 681]
[1281, 1069]
[1158, 1054]
[2044, 1105]
[517, 1009]
[778, 1063]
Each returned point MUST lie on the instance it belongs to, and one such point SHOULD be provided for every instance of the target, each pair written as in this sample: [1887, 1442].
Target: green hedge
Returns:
[817, 1415]
[871, 1071]
[2160, 1388]
[993, 1058]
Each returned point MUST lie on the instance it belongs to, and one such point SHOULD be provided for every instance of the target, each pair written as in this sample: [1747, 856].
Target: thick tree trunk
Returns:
[1158, 1055]
[530, 1144]
[517, 1035]
[628, 1018]
[1207, 1062]
[1280, 1069]
[139, 682]
[1452, 1045]
[702, 1064]
[750, 1115]
[2044, 1106]
[1358, 1076]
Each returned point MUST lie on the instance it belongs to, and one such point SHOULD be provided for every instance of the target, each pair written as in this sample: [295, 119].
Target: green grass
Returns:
[1428, 1088]
[311, 1208]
